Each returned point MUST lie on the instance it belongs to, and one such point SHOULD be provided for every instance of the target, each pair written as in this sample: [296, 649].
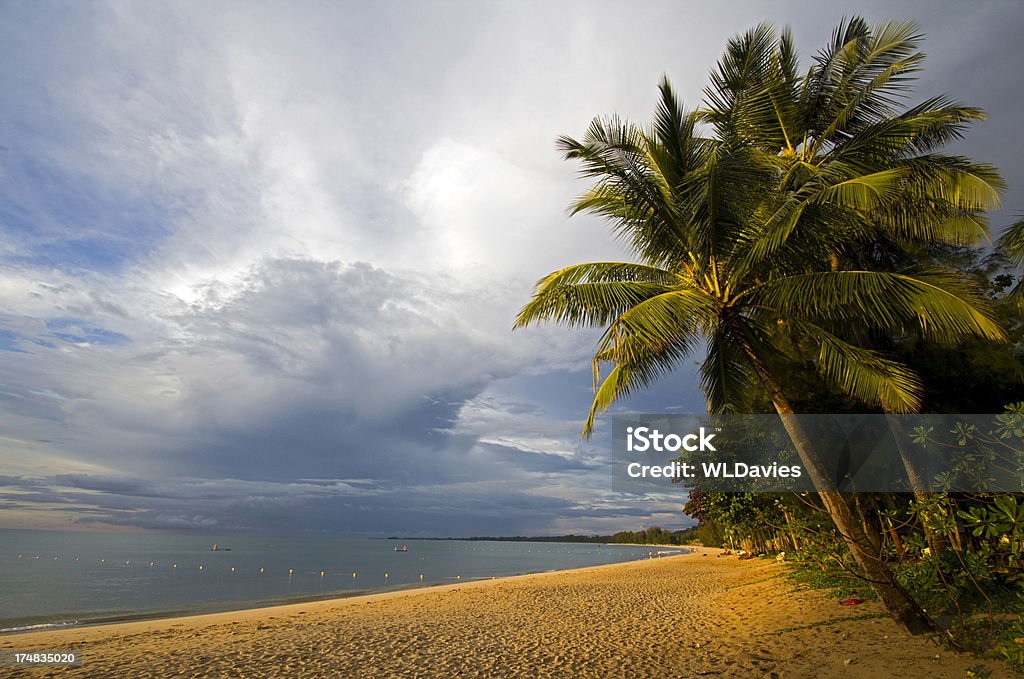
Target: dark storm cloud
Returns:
[200, 504]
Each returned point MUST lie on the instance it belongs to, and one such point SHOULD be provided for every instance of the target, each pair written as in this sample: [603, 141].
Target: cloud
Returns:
[343, 506]
[244, 248]
[304, 369]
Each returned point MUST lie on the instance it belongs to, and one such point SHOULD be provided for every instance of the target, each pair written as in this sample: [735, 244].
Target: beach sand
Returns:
[684, 616]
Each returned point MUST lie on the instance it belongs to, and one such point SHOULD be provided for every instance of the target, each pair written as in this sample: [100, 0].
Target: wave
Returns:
[38, 626]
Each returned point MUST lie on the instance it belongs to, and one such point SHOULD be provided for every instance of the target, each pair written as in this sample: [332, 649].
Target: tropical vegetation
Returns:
[804, 232]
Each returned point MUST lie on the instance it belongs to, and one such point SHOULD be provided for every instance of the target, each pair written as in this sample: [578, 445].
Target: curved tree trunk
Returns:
[897, 600]
[936, 542]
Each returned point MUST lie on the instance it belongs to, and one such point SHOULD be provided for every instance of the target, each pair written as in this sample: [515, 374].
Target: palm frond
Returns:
[631, 189]
[593, 294]
[864, 374]
[934, 304]
[1012, 242]
[863, 192]
[668, 322]
[921, 129]
[725, 374]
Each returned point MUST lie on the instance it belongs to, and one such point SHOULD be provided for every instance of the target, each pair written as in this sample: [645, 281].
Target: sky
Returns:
[259, 262]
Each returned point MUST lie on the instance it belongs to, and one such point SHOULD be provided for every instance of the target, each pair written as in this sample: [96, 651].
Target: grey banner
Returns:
[859, 453]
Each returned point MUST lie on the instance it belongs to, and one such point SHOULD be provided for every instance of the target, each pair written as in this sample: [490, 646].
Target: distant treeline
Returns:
[654, 535]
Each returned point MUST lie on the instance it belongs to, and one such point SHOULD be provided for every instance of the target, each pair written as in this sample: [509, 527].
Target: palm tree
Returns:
[743, 239]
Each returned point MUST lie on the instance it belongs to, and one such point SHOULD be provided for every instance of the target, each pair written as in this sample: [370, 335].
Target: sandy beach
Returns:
[685, 616]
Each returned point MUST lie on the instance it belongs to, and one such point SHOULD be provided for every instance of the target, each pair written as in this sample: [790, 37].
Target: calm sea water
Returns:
[50, 578]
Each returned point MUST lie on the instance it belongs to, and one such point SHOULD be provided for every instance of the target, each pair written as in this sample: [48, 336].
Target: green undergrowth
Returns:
[982, 611]
[837, 584]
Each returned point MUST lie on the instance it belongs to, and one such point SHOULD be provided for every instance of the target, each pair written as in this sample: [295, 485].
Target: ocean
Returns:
[56, 579]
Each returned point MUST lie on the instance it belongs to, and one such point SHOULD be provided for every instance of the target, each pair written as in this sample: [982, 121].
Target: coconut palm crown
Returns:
[750, 231]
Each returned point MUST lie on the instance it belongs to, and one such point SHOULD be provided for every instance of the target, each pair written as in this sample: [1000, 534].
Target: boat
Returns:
[403, 548]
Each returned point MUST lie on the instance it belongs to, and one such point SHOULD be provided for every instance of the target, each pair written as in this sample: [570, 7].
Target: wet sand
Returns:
[692, 615]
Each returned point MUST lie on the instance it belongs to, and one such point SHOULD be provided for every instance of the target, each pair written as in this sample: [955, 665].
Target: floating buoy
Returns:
[261, 570]
[421, 576]
[353, 574]
[174, 565]
[54, 558]
[200, 567]
[232, 569]
[290, 571]
[103, 560]
[19, 556]
[385, 576]
[150, 564]
[128, 563]
[458, 577]
[321, 574]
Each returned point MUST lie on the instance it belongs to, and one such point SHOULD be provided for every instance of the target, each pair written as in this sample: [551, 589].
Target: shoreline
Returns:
[335, 598]
[684, 615]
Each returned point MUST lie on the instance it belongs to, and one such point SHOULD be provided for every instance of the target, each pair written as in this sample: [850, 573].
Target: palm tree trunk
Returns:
[922, 497]
[789, 528]
[897, 601]
[894, 597]
[897, 543]
[871, 529]
[890, 528]
[937, 543]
